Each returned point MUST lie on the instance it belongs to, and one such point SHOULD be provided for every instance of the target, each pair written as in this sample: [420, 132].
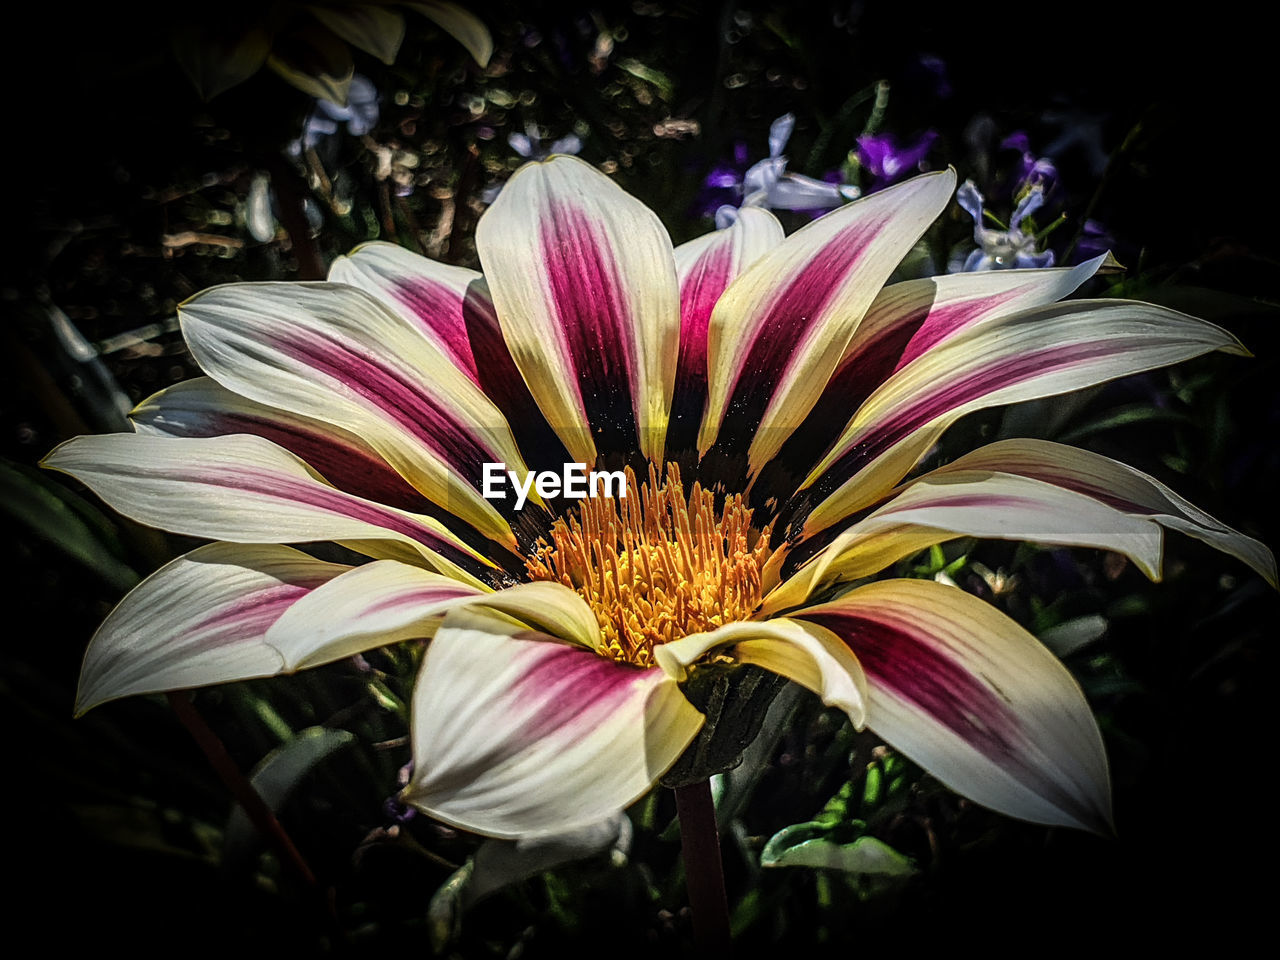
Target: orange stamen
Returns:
[655, 566]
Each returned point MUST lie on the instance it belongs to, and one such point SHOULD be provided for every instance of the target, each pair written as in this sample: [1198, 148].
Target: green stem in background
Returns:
[703, 868]
[1113, 167]
[876, 117]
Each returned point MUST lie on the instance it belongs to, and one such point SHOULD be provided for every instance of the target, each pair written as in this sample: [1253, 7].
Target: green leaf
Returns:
[374, 30]
[733, 788]
[1126, 416]
[463, 26]
[796, 846]
[649, 75]
[218, 57]
[788, 838]
[275, 779]
[315, 61]
[500, 863]
[1066, 638]
[67, 521]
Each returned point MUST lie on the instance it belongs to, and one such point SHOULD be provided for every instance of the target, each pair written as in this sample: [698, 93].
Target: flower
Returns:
[530, 146]
[360, 115]
[768, 183]
[719, 377]
[886, 161]
[1002, 249]
[1032, 171]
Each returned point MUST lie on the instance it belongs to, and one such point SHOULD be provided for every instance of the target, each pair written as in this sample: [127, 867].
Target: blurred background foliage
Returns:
[126, 193]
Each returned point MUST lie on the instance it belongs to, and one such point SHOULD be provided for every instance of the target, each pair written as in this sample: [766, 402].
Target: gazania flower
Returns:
[764, 398]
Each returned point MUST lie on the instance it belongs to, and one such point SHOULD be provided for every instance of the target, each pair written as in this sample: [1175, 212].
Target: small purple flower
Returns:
[881, 156]
[392, 808]
[1034, 171]
[359, 115]
[1095, 239]
[397, 812]
[768, 184]
[1001, 249]
[529, 144]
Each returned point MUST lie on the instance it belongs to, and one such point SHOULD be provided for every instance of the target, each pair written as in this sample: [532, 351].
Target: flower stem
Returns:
[286, 182]
[235, 781]
[703, 869]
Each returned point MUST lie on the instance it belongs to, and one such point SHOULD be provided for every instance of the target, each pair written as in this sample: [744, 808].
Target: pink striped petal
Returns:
[705, 267]
[977, 701]
[370, 606]
[199, 620]
[334, 353]
[387, 602]
[518, 735]
[1119, 485]
[446, 304]
[584, 283]
[801, 651]
[1035, 353]
[905, 321]
[247, 490]
[780, 329]
[971, 503]
[938, 308]
[203, 408]
[451, 307]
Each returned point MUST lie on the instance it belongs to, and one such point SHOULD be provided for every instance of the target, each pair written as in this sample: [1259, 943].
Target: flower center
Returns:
[655, 566]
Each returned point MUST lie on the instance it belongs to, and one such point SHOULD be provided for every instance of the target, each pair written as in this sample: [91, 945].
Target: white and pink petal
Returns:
[780, 329]
[387, 602]
[516, 734]
[584, 282]
[452, 308]
[1119, 485]
[1034, 353]
[446, 304]
[918, 314]
[369, 606]
[974, 699]
[941, 506]
[200, 619]
[705, 266]
[204, 408]
[246, 489]
[334, 353]
[904, 321]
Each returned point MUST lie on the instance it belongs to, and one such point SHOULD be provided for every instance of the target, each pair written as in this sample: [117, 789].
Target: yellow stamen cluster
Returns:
[655, 567]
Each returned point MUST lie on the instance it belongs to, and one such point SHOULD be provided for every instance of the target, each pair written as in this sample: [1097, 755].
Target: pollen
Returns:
[656, 566]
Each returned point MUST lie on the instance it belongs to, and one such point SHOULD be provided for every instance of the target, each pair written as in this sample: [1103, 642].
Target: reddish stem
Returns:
[703, 868]
[287, 184]
[240, 787]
